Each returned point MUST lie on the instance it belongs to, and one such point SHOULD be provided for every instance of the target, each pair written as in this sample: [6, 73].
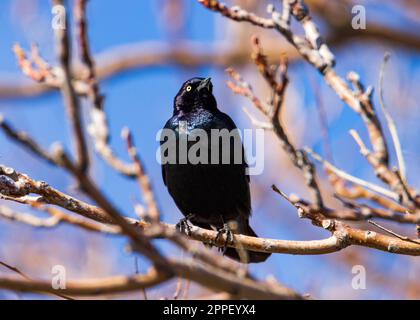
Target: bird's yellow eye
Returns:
[188, 88]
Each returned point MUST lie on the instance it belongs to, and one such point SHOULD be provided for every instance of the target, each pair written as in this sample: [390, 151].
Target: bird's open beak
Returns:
[205, 84]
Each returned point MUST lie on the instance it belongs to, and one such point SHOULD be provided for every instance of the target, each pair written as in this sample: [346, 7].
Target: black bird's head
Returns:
[194, 94]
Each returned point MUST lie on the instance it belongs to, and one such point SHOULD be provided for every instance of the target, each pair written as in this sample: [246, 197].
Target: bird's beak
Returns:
[205, 84]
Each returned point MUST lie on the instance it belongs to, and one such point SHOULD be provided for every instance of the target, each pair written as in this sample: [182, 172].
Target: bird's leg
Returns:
[229, 236]
[183, 226]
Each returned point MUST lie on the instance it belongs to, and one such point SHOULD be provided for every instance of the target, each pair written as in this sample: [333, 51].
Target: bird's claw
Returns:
[183, 225]
[229, 237]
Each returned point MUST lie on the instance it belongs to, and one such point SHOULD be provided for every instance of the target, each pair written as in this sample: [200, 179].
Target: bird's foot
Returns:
[229, 237]
[183, 225]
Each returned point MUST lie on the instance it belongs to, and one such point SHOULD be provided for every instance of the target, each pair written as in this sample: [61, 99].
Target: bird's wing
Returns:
[232, 179]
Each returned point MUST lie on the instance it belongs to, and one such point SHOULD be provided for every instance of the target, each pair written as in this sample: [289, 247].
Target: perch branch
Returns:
[14, 184]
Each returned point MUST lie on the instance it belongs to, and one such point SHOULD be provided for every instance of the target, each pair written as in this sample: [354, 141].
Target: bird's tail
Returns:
[252, 256]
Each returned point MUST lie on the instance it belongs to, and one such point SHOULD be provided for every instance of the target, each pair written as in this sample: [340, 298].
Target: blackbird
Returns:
[214, 191]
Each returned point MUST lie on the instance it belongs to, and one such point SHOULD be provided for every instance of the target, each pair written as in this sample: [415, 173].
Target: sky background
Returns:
[142, 100]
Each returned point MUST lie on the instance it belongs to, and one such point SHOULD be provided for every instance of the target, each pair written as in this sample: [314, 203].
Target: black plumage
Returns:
[208, 194]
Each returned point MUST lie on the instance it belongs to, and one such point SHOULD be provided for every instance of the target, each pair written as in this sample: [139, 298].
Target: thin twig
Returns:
[390, 121]
[393, 233]
[70, 97]
[351, 178]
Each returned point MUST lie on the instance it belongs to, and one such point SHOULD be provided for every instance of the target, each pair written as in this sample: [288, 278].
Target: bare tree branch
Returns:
[98, 127]
[203, 266]
[298, 157]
